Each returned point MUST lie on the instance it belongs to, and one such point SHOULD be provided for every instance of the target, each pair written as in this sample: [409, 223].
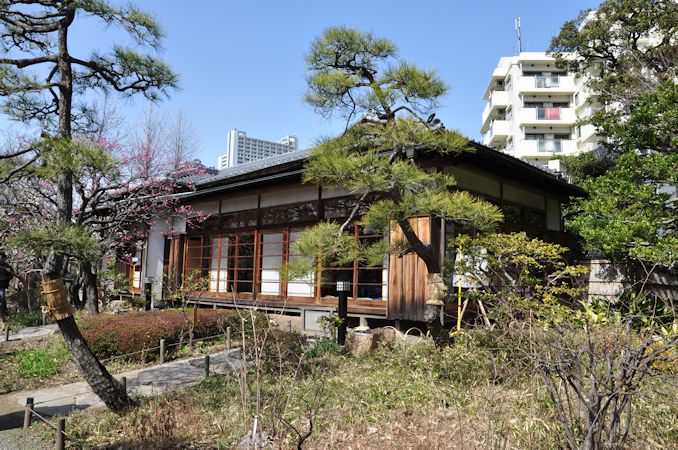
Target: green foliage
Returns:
[628, 51]
[329, 323]
[651, 123]
[353, 72]
[43, 363]
[322, 347]
[518, 276]
[626, 216]
[644, 312]
[483, 378]
[279, 350]
[125, 70]
[66, 239]
[111, 281]
[322, 245]
[24, 319]
[586, 165]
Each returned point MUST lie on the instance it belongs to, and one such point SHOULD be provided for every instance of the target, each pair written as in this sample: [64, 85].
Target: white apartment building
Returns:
[242, 149]
[532, 110]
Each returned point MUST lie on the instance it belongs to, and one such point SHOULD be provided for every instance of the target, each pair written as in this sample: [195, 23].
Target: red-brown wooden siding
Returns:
[407, 277]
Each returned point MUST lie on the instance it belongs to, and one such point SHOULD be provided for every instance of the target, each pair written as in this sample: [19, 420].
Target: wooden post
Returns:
[228, 338]
[123, 381]
[28, 413]
[483, 313]
[44, 319]
[195, 319]
[343, 288]
[289, 326]
[207, 366]
[60, 436]
[242, 328]
[162, 351]
[7, 334]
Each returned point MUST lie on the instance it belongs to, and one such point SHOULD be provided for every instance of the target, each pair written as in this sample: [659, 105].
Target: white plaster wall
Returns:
[209, 207]
[474, 182]
[155, 252]
[286, 195]
[523, 197]
[232, 203]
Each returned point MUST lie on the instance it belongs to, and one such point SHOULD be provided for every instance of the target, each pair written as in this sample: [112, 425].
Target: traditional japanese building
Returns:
[257, 210]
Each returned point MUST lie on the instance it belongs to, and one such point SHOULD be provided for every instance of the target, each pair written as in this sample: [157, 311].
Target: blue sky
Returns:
[242, 62]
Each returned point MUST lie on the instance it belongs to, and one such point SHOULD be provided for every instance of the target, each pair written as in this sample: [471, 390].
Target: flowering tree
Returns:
[41, 81]
[115, 204]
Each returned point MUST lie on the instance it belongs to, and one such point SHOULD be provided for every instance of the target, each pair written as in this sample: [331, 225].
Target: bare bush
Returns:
[593, 378]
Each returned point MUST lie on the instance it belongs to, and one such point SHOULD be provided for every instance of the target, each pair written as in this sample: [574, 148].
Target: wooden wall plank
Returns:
[407, 277]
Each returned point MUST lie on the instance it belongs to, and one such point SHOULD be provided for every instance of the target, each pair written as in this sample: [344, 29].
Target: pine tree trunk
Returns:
[96, 375]
[89, 279]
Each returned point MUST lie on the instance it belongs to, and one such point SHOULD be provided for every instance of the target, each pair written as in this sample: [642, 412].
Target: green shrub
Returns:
[322, 347]
[25, 319]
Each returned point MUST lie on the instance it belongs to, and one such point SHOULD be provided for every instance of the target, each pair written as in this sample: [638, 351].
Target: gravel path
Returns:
[64, 399]
[33, 332]
[16, 439]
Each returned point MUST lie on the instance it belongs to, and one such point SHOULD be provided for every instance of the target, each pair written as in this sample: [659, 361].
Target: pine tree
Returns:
[359, 76]
[43, 82]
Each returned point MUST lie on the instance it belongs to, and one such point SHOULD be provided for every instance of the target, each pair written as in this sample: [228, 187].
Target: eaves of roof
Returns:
[291, 165]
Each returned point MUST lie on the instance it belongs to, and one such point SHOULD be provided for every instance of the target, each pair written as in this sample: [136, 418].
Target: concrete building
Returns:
[533, 108]
[242, 149]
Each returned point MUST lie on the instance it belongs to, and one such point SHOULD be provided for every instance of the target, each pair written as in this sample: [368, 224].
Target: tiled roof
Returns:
[253, 166]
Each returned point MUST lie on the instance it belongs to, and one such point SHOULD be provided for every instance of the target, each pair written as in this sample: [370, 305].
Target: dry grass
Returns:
[476, 394]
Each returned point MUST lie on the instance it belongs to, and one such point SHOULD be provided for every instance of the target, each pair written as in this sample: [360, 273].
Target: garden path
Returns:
[141, 382]
[33, 332]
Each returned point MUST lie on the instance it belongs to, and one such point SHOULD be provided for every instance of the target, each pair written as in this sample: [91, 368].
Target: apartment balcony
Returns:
[588, 132]
[497, 99]
[547, 116]
[545, 147]
[547, 84]
[498, 131]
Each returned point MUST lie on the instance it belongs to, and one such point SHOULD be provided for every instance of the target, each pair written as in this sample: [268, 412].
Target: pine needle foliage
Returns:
[352, 73]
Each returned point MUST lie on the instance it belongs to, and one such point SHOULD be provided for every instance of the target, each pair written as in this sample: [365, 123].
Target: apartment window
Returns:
[548, 113]
[577, 131]
[576, 99]
[533, 136]
[536, 104]
[550, 145]
[546, 81]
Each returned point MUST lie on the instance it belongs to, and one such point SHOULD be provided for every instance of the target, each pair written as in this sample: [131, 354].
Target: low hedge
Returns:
[115, 335]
